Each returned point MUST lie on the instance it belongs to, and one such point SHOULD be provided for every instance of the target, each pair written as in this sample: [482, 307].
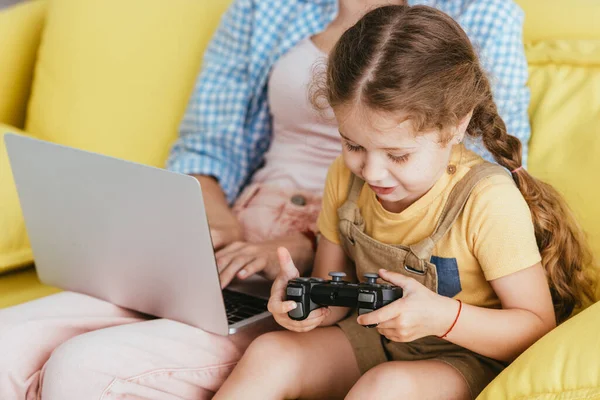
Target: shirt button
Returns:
[298, 200]
[451, 169]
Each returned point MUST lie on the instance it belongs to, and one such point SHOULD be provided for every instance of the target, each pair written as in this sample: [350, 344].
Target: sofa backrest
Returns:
[562, 40]
[115, 76]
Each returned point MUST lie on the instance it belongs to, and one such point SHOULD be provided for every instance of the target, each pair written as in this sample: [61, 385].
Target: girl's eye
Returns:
[398, 159]
[352, 147]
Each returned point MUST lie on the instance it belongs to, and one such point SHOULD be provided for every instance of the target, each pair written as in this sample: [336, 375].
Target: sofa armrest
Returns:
[20, 32]
[564, 364]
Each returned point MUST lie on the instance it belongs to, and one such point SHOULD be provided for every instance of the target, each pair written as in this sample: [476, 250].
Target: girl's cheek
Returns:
[411, 178]
[353, 161]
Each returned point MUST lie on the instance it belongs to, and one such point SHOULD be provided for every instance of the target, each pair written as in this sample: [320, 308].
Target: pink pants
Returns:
[71, 346]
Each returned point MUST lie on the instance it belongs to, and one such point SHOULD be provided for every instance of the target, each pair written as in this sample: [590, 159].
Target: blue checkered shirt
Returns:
[226, 129]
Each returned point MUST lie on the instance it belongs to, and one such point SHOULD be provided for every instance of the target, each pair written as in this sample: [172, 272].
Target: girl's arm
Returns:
[527, 311]
[331, 257]
[527, 314]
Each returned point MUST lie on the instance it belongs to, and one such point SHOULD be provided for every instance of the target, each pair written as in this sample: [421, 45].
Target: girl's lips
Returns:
[382, 190]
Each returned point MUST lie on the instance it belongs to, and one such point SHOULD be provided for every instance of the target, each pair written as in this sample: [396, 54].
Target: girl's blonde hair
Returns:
[420, 61]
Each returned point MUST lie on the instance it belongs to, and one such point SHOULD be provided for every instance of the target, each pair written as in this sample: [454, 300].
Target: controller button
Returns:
[366, 297]
[297, 312]
[294, 291]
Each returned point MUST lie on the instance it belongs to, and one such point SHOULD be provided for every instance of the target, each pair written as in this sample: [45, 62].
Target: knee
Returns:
[72, 364]
[20, 355]
[68, 356]
[383, 381]
[18, 365]
[275, 350]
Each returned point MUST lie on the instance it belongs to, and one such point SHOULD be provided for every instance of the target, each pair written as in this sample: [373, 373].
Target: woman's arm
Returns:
[527, 314]
[213, 139]
[224, 226]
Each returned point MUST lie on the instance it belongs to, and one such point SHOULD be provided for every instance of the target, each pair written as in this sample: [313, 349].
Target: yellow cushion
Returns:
[20, 31]
[14, 245]
[112, 77]
[20, 286]
[563, 365]
[560, 19]
[565, 120]
[115, 76]
[562, 41]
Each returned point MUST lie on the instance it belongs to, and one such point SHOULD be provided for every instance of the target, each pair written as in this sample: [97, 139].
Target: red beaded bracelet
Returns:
[455, 319]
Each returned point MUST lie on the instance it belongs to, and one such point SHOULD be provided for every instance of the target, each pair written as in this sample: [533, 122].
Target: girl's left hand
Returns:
[419, 313]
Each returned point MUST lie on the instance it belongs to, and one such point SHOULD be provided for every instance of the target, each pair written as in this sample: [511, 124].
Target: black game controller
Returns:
[312, 293]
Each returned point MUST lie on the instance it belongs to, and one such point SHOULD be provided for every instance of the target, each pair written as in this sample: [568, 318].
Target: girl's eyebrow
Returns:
[386, 148]
[342, 135]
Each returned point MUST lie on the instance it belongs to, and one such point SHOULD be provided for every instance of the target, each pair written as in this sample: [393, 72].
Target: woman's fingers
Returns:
[252, 268]
[227, 275]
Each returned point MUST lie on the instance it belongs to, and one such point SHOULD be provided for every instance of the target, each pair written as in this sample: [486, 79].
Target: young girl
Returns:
[480, 255]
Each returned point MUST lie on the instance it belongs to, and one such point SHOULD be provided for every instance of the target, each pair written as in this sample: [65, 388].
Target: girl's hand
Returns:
[419, 313]
[279, 307]
[243, 259]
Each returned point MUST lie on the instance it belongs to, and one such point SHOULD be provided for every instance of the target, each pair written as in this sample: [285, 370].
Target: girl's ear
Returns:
[461, 129]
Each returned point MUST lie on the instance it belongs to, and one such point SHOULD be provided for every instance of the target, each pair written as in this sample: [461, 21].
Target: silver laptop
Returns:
[130, 234]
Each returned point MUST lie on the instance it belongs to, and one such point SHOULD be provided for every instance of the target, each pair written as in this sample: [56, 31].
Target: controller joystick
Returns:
[371, 278]
[337, 276]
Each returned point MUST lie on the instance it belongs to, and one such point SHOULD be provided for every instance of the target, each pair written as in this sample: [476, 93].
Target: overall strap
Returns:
[356, 185]
[454, 206]
[349, 211]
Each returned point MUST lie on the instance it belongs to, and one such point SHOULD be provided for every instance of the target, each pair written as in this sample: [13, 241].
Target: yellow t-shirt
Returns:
[492, 238]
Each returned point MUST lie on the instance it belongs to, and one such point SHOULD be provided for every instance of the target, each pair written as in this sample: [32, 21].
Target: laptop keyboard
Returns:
[240, 306]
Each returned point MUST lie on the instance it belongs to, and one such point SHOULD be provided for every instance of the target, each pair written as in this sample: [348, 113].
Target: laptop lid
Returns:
[130, 234]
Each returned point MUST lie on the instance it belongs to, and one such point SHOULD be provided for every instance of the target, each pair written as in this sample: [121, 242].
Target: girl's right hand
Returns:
[279, 307]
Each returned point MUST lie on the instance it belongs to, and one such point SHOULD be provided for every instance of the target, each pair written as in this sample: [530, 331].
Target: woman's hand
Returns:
[279, 307]
[224, 225]
[225, 234]
[243, 259]
[419, 313]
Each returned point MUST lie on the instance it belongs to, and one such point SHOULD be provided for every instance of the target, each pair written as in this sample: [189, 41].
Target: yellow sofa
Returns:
[114, 77]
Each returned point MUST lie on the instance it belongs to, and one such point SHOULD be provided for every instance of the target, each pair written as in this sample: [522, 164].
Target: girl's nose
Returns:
[373, 170]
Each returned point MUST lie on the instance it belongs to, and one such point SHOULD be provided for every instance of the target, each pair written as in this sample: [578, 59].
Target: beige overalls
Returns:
[369, 255]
